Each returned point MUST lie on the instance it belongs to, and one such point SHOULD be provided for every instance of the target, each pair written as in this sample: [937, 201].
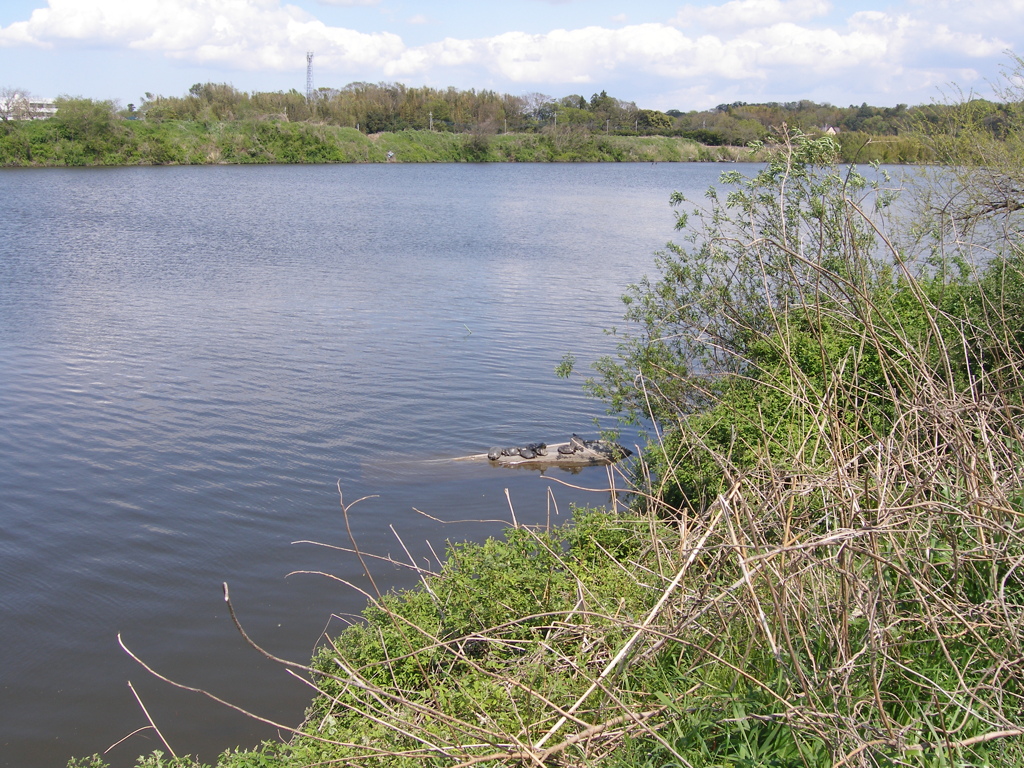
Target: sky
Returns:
[659, 54]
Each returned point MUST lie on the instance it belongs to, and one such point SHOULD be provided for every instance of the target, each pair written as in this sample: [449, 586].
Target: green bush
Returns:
[487, 638]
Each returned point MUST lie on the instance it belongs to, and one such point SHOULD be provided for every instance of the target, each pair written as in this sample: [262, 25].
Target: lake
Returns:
[193, 361]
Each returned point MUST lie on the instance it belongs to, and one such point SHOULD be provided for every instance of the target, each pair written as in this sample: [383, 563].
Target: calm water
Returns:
[192, 360]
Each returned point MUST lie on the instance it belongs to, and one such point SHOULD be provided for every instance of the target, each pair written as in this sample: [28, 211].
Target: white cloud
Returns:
[590, 54]
[749, 45]
[739, 14]
[786, 46]
[243, 34]
[579, 55]
[911, 37]
[110, 21]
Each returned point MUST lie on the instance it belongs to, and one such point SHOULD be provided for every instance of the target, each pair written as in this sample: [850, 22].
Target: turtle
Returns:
[577, 442]
[527, 453]
[494, 454]
[566, 450]
[509, 451]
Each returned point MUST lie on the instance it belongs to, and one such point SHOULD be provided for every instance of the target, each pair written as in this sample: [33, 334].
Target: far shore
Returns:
[40, 144]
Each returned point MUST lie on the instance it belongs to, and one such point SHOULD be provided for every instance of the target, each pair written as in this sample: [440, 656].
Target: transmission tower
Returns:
[309, 76]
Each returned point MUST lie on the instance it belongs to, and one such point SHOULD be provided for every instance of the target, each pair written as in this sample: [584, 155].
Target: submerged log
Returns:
[572, 454]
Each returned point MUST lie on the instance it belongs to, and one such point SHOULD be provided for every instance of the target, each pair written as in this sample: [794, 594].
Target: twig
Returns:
[980, 739]
[249, 640]
[541, 757]
[146, 713]
[228, 704]
[989, 737]
[628, 647]
[384, 558]
[125, 738]
[348, 527]
[412, 564]
[762, 619]
[455, 522]
[512, 509]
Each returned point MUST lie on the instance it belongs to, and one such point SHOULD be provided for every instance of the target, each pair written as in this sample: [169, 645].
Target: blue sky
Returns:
[660, 54]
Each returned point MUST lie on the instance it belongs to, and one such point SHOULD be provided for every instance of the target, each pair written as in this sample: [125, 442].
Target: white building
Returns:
[40, 109]
[18, 106]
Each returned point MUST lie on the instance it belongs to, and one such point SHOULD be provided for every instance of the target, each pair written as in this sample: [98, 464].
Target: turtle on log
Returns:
[573, 454]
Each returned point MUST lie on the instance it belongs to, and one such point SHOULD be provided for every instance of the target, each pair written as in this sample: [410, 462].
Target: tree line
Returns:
[378, 107]
[864, 133]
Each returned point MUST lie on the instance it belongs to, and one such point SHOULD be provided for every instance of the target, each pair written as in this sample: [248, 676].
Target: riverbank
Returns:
[180, 142]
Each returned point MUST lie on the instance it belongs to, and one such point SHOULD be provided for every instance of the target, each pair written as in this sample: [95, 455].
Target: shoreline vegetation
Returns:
[138, 143]
[820, 560]
[387, 122]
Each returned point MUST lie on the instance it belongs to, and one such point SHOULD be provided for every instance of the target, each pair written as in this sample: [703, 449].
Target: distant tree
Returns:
[15, 104]
[514, 109]
[653, 120]
[83, 119]
[291, 106]
[219, 101]
[602, 101]
[539, 107]
[572, 115]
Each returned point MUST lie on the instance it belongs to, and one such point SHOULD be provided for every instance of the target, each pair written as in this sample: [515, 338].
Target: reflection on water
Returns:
[194, 360]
